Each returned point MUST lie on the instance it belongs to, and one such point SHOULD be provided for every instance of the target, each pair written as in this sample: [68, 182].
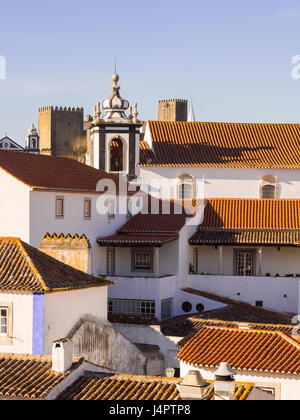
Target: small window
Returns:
[111, 209]
[166, 308]
[110, 262]
[200, 307]
[268, 191]
[187, 307]
[3, 321]
[59, 207]
[143, 261]
[87, 208]
[259, 304]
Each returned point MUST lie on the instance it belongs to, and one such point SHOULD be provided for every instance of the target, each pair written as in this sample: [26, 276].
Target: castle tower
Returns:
[114, 137]
[32, 140]
[62, 133]
[172, 110]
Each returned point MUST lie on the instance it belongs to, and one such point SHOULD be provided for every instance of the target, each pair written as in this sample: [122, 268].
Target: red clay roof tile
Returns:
[246, 350]
[24, 268]
[229, 145]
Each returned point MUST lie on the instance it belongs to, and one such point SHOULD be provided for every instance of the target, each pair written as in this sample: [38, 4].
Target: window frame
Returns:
[254, 253]
[6, 338]
[135, 269]
[87, 200]
[113, 252]
[137, 306]
[169, 309]
[62, 199]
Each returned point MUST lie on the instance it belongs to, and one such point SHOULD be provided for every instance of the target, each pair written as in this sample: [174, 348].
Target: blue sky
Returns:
[232, 58]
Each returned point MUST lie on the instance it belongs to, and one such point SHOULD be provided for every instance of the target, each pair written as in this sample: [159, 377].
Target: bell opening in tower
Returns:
[116, 156]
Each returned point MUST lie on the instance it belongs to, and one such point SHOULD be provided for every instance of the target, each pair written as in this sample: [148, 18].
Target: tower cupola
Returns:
[115, 106]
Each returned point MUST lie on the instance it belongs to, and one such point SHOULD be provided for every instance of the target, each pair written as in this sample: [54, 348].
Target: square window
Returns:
[142, 261]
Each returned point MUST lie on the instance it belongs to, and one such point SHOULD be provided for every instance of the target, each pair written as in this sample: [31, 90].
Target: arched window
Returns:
[116, 156]
[186, 187]
[268, 191]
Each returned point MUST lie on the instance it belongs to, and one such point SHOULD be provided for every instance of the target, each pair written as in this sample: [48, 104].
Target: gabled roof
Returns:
[250, 221]
[24, 268]
[226, 145]
[12, 144]
[30, 377]
[52, 173]
[245, 350]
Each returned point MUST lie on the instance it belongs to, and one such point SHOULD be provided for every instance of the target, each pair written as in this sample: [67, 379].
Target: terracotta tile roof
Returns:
[246, 237]
[136, 388]
[243, 312]
[150, 229]
[232, 315]
[26, 376]
[24, 268]
[53, 173]
[227, 145]
[244, 350]
[249, 221]
[137, 240]
[122, 387]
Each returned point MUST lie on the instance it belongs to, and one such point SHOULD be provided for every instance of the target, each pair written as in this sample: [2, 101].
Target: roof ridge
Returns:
[225, 123]
[32, 264]
[250, 330]
[194, 317]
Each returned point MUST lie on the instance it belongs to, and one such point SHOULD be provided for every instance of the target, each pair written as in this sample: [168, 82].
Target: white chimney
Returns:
[224, 383]
[193, 387]
[62, 355]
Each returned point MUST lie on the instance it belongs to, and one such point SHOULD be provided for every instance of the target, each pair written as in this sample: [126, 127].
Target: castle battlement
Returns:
[173, 100]
[61, 109]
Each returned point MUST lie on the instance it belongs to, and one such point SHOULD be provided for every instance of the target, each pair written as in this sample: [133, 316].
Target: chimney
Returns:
[224, 383]
[193, 387]
[62, 355]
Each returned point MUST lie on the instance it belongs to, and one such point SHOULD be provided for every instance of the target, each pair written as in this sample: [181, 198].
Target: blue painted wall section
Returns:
[38, 324]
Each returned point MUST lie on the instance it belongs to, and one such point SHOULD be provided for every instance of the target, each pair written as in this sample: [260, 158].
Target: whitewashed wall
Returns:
[14, 208]
[42, 220]
[227, 182]
[63, 310]
[22, 315]
[151, 335]
[270, 290]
